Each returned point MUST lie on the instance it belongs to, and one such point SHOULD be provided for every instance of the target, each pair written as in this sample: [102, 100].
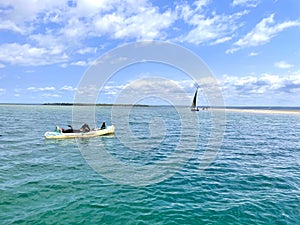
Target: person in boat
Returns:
[84, 128]
[103, 126]
[70, 130]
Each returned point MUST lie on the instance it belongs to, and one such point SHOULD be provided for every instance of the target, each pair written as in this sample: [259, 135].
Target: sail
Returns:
[194, 104]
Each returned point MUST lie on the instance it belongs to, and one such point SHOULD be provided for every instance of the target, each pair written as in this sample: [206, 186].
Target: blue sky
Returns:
[251, 46]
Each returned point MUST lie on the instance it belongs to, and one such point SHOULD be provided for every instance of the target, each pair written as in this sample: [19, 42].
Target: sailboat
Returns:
[194, 103]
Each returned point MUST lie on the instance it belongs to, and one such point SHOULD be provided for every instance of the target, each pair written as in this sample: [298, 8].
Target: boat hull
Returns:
[94, 133]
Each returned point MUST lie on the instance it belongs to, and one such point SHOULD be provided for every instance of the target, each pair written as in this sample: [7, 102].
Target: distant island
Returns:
[96, 104]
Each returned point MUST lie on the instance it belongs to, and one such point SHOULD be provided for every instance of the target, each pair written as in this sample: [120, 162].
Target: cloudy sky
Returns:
[251, 47]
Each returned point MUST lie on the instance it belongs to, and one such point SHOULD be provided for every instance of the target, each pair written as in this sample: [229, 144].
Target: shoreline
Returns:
[261, 111]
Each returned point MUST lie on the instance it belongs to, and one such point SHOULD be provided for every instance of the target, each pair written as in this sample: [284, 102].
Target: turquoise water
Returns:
[255, 178]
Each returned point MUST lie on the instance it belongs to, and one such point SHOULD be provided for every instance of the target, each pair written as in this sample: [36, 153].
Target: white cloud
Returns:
[51, 96]
[146, 23]
[112, 88]
[200, 4]
[44, 92]
[246, 90]
[253, 53]
[68, 88]
[79, 63]
[266, 89]
[92, 7]
[154, 88]
[21, 13]
[262, 33]
[72, 22]
[35, 89]
[214, 29]
[25, 54]
[79, 19]
[9, 25]
[75, 29]
[151, 89]
[32, 89]
[246, 3]
[90, 90]
[187, 85]
[87, 50]
[264, 85]
[185, 11]
[283, 65]
[58, 29]
[221, 40]
[47, 89]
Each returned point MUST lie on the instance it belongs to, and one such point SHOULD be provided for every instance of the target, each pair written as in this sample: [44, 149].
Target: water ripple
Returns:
[254, 179]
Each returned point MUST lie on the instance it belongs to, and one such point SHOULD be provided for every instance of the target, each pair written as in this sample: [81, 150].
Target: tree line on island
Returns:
[96, 104]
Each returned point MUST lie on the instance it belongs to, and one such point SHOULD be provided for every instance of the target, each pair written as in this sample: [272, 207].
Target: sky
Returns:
[250, 46]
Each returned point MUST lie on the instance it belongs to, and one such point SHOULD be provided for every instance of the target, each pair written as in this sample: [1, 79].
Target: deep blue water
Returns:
[254, 179]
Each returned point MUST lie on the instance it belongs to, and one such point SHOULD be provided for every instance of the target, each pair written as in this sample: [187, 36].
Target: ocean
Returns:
[138, 176]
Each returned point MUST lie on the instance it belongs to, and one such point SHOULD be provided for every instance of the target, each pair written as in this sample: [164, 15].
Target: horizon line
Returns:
[149, 105]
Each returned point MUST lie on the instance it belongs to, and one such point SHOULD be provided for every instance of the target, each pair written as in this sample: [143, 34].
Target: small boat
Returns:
[194, 103]
[57, 134]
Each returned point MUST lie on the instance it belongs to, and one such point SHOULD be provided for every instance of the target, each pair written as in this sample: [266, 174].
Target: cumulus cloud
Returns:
[144, 24]
[263, 32]
[89, 8]
[82, 18]
[58, 28]
[112, 88]
[179, 92]
[266, 89]
[160, 89]
[265, 84]
[29, 11]
[25, 54]
[283, 65]
[214, 28]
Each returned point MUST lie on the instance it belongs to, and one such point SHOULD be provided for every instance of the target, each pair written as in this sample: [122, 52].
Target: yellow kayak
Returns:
[93, 133]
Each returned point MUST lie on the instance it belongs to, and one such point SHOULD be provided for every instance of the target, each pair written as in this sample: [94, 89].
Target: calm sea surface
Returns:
[254, 179]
